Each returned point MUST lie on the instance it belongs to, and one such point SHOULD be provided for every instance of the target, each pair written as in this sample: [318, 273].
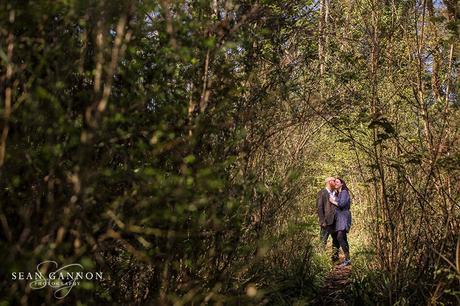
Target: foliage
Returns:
[178, 147]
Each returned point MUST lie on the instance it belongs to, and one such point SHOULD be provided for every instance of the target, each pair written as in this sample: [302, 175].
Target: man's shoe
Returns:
[345, 263]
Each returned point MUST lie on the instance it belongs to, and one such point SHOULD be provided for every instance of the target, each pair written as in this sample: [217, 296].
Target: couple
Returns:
[334, 216]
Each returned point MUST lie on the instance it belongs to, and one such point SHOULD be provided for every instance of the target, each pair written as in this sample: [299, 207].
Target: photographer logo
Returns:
[60, 279]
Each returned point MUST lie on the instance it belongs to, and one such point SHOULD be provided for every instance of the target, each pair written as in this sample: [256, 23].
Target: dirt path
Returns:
[336, 285]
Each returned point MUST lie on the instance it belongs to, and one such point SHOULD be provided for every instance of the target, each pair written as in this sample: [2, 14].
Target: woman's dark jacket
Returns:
[342, 213]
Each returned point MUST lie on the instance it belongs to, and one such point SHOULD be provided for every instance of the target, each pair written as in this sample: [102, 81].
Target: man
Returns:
[326, 215]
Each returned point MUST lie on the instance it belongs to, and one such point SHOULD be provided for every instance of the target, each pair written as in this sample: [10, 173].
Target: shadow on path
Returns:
[335, 288]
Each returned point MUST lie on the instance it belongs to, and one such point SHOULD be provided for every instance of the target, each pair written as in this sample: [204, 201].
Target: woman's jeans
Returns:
[342, 238]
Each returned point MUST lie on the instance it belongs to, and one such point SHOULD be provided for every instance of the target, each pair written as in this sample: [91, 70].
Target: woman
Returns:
[342, 217]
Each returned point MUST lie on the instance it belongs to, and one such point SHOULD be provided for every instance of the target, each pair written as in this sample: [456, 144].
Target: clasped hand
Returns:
[332, 200]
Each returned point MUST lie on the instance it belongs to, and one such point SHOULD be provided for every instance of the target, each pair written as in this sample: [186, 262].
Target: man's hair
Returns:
[329, 179]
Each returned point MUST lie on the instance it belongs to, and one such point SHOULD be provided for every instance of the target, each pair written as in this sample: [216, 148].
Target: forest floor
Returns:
[336, 286]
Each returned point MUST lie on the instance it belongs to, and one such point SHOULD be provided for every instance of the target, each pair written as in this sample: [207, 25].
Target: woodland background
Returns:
[178, 147]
